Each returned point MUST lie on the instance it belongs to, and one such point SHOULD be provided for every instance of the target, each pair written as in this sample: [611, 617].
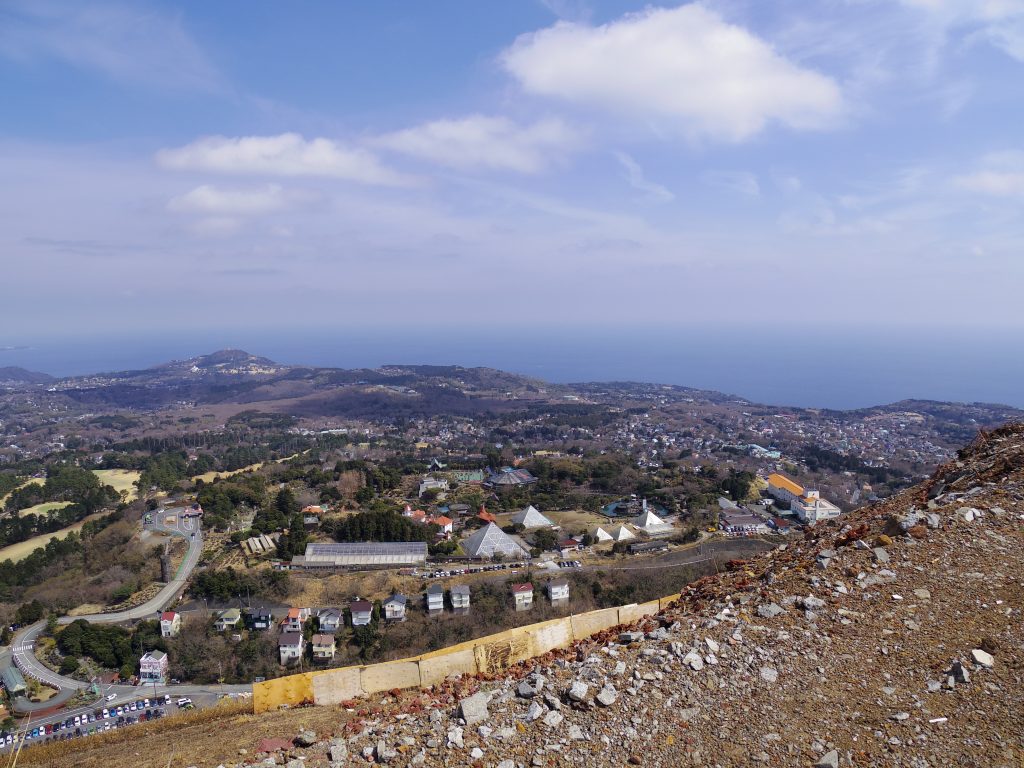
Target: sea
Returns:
[820, 369]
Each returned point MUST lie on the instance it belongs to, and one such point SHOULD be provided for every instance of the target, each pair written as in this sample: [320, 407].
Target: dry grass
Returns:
[23, 549]
[188, 738]
[120, 480]
[209, 477]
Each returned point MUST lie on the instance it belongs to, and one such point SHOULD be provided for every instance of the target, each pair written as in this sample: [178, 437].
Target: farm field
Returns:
[23, 549]
[120, 480]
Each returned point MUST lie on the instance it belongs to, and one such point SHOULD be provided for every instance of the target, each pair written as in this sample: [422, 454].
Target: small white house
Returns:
[394, 608]
[290, 646]
[330, 620]
[435, 599]
[558, 591]
[153, 667]
[170, 624]
[460, 598]
[362, 612]
[522, 594]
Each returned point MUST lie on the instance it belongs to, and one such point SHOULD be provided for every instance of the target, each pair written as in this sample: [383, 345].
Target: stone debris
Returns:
[982, 658]
[866, 640]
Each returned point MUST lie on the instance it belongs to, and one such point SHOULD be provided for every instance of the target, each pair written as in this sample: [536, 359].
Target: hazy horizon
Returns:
[811, 370]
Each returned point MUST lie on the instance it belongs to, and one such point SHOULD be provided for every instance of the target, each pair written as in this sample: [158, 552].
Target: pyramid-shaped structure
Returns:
[647, 520]
[531, 518]
[602, 535]
[490, 541]
[622, 533]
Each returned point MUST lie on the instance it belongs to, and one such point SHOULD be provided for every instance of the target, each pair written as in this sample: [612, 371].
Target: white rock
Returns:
[983, 658]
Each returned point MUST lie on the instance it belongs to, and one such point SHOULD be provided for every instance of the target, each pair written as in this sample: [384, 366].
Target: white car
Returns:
[111, 697]
[183, 701]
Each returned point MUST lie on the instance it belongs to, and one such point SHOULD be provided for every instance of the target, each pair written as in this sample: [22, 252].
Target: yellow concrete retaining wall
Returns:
[489, 654]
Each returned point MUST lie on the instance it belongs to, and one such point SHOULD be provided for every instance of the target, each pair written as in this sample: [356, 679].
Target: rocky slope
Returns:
[893, 637]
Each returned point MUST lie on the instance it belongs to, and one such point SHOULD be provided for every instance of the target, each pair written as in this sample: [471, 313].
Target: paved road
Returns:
[24, 641]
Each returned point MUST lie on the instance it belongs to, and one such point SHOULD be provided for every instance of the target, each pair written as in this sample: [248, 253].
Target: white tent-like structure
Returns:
[490, 541]
[651, 524]
[602, 535]
[622, 533]
[531, 518]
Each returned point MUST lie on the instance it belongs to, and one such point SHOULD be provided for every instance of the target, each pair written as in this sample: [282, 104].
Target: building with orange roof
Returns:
[784, 489]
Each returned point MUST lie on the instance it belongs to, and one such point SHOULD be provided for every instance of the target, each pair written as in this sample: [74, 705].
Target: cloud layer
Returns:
[685, 66]
[287, 154]
[479, 141]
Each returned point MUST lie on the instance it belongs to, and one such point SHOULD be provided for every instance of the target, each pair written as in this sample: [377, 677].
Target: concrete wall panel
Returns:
[336, 685]
[435, 668]
[394, 674]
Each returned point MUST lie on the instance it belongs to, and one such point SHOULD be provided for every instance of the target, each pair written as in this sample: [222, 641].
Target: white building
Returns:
[170, 624]
[435, 599]
[362, 612]
[811, 508]
[523, 596]
[558, 591]
[394, 608]
[153, 667]
[784, 489]
[460, 598]
[290, 646]
[329, 620]
[324, 647]
[601, 535]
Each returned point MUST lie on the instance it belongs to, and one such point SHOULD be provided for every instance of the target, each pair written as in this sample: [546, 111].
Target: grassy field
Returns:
[23, 549]
[43, 509]
[121, 480]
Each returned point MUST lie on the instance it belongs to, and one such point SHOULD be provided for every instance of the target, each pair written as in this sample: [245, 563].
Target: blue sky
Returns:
[837, 164]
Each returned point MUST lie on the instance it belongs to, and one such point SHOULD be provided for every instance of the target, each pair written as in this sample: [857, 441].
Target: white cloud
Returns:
[636, 178]
[999, 22]
[212, 200]
[121, 41]
[1001, 174]
[288, 154]
[478, 141]
[740, 182]
[997, 183]
[685, 65]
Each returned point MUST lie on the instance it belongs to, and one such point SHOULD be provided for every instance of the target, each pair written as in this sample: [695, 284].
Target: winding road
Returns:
[23, 644]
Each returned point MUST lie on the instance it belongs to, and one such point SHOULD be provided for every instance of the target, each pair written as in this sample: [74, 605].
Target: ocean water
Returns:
[819, 369]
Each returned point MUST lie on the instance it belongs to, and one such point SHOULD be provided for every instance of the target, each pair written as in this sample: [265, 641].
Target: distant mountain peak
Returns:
[23, 375]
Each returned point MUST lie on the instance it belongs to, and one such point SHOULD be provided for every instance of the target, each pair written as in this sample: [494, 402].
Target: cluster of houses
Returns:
[292, 642]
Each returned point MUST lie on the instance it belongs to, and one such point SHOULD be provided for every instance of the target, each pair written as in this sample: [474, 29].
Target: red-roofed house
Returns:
[486, 516]
[444, 523]
[523, 595]
[170, 624]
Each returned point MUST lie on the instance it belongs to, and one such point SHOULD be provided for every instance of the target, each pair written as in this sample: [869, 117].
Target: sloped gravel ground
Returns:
[892, 637]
